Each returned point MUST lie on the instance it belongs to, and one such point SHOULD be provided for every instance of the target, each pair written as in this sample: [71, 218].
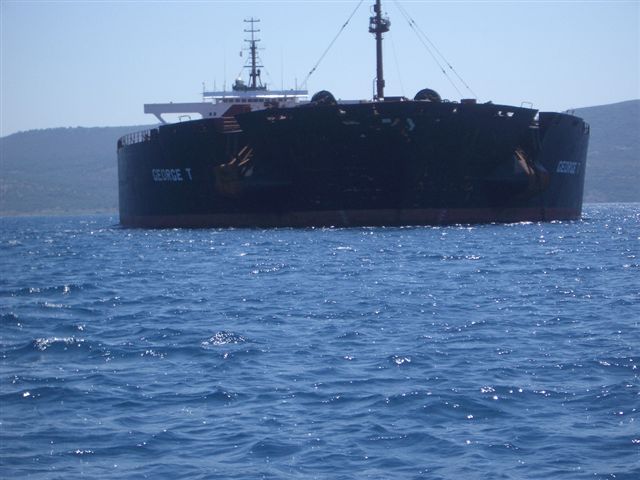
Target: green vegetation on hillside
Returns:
[613, 162]
[60, 170]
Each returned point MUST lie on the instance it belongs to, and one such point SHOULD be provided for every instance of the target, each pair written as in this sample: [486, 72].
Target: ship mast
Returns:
[254, 76]
[379, 25]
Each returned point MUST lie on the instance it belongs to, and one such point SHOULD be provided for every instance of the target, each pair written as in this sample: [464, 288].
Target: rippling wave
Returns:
[492, 351]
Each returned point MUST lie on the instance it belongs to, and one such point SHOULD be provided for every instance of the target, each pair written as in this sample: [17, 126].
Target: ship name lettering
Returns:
[170, 174]
[567, 167]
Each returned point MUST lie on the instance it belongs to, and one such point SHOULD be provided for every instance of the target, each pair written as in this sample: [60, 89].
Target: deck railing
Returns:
[136, 137]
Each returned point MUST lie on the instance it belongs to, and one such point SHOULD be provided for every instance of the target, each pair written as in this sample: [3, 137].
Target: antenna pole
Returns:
[255, 73]
[379, 25]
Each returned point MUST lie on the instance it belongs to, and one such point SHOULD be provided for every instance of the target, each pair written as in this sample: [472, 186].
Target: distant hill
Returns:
[74, 170]
[613, 163]
[60, 170]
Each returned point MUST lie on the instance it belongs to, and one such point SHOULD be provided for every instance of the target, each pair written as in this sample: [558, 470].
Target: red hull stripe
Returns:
[352, 218]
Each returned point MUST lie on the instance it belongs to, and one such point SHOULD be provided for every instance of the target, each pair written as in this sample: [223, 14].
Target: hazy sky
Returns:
[95, 63]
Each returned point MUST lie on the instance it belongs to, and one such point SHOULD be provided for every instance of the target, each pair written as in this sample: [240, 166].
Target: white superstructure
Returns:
[216, 104]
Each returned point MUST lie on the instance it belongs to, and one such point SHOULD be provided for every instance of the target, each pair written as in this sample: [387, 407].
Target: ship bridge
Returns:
[216, 103]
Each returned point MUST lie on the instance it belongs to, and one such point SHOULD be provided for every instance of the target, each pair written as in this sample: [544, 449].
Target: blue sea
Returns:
[473, 352]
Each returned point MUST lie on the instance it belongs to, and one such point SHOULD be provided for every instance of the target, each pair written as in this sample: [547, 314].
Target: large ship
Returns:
[265, 158]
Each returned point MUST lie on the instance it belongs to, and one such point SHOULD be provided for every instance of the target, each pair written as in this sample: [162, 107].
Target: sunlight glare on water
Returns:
[490, 351]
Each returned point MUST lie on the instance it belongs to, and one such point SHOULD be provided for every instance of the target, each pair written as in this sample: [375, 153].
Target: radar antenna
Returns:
[255, 82]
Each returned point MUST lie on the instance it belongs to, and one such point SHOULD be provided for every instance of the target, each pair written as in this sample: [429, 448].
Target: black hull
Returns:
[386, 163]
